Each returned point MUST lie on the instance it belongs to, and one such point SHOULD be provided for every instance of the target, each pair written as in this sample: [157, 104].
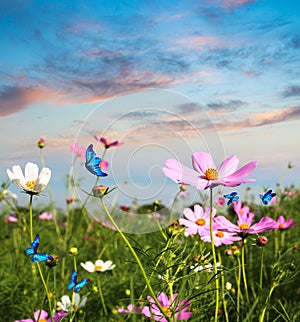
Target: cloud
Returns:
[292, 91]
[14, 99]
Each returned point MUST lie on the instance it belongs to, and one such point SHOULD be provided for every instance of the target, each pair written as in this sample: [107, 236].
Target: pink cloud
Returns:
[203, 42]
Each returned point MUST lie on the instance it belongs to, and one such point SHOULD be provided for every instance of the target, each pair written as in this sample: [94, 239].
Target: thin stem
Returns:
[262, 316]
[101, 294]
[46, 290]
[223, 288]
[214, 254]
[244, 271]
[261, 267]
[239, 294]
[30, 219]
[137, 260]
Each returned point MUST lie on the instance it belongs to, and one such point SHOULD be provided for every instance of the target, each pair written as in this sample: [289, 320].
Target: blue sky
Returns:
[167, 78]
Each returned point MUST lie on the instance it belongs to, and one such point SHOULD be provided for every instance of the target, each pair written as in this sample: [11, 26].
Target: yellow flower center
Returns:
[220, 234]
[281, 226]
[98, 267]
[167, 310]
[74, 307]
[200, 222]
[30, 184]
[79, 153]
[244, 226]
[42, 320]
[240, 211]
[211, 174]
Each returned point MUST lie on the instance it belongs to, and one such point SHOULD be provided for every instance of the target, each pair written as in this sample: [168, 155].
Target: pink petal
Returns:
[242, 172]
[202, 161]
[228, 166]
[40, 314]
[163, 299]
[190, 215]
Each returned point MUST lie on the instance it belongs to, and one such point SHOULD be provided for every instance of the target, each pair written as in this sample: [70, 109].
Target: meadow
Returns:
[225, 259]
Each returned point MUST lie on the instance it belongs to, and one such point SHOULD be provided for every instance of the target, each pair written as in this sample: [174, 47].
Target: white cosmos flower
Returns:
[99, 266]
[31, 181]
[66, 304]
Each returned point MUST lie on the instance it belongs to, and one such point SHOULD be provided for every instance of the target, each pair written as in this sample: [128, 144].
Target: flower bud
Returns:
[229, 252]
[261, 241]
[52, 262]
[100, 191]
[127, 292]
[41, 143]
[73, 250]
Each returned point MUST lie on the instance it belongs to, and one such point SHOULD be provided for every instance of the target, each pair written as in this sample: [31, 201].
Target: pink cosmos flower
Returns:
[197, 221]
[78, 150]
[107, 144]
[220, 202]
[175, 308]
[42, 315]
[11, 219]
[206, 175]
[221, 237]
[45, 216]
[281, 224]
[131, 309]
[239, 210]
[243, 227]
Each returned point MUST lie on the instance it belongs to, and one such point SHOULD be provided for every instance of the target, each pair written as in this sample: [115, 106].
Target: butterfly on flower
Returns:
[35, 256]
[92, 162]
[74, 285]
[267, 197]
[233, 197]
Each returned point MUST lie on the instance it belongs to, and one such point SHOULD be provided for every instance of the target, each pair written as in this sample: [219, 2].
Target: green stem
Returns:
[214, 254]
[30, 219]
[101, 295]
[126, 241]
[239, 294]
[244, 271]
[223, 288]
[46, 290]
[261, 267]
[262, 316]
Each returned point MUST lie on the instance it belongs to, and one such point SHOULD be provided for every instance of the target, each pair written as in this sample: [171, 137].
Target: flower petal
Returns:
[44, 176]
[228, 166]
[40, 315]
[88, 266]
[242, 172]
[202, 161]
[31, 171]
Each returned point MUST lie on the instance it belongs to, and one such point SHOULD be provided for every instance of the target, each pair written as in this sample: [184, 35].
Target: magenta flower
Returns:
[206, 175]
[107, 144]
[175, 308]
[197, 221]
[220, 202]
[42, 316]
[239, 210]
[45, 216]
[78, 150]
[221, 237]
[131, 309]
[243, 227]
[11, 219]
[281, 224]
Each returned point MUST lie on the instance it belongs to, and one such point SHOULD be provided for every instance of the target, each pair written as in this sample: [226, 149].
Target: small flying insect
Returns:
[267, 197]
[32, 251]
[92, 162]
[233, 197]
[74, 285]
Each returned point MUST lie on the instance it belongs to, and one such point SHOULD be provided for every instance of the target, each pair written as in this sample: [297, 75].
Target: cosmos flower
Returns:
[78, 150]
[42, 316]
[206, 175]
[99, 266]
[107, 144]
[11, 219]
[197, 221]
[239, 210]
[66, 305]
[220, 202]
[171, 308]
[45, 216]
[221, 238]
[281, 224]
[31, 182]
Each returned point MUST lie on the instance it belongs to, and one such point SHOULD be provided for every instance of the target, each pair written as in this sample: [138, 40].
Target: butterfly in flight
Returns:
[74, 285]
[233, 197]
[32, 251]
[267, 197]
[92, 162]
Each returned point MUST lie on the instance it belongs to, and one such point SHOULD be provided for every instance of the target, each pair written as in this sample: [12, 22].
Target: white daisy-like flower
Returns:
[66, 304]
[31, 181]
[99, 266]
[9, 194]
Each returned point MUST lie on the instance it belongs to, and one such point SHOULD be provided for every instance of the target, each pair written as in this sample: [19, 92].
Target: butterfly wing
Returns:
[40, 257]
[73, 280]
[33, 246]
[92, 162]
[236, 198]
[80, 285]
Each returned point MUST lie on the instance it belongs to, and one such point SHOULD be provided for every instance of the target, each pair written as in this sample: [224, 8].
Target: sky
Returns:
[166, 78]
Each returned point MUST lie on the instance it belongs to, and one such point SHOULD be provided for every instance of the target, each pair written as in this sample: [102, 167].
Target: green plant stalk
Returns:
[101, 294]
[261, 267]
[223, 288]
[262, 315]
[46, 290]
[137, 260]
[30, 219]
[239, 294]
[244, 271]
[214, 255]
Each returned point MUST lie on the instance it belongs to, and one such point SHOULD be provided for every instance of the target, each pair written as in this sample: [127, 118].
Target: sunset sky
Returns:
[167, 78]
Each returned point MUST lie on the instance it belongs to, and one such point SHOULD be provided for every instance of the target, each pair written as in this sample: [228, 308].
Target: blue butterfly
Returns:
[73, 282]
[92, 162]
[267, 197]
[32, 251]
[233, 197]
